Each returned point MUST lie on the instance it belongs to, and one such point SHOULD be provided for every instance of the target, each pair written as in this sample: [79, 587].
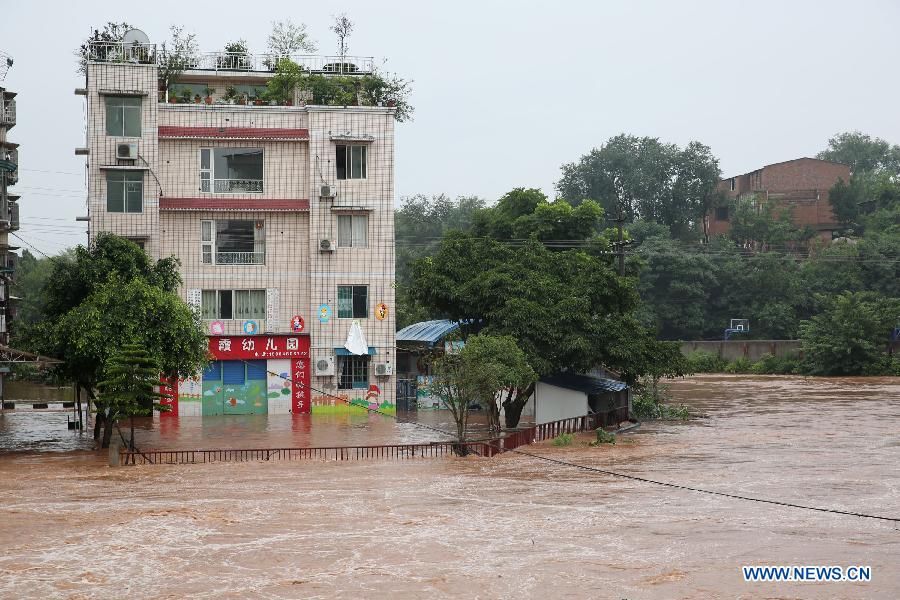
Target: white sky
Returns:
[505, 92]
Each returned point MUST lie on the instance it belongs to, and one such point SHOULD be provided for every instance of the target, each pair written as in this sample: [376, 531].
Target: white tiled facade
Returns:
[297, 276]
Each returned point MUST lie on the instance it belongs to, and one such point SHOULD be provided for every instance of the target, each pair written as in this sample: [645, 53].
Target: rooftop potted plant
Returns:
[258, 97]
[197, 99]
[230, 94]
[209, 92]
[186, 96]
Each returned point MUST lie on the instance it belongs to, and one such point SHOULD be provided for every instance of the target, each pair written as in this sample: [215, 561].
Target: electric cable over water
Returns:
[605, 471]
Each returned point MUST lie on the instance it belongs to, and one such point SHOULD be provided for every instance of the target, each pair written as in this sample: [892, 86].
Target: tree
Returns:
[178, 55]
[128, 388]
[850, 335]
[863, 153]
[642, 178]
[342, 28]
[286, 38]
[112, 294]
[566, 309]
[478, 373]
[112, 33]
[524, 213]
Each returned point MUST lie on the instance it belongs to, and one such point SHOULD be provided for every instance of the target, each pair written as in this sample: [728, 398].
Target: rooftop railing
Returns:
[121, 52]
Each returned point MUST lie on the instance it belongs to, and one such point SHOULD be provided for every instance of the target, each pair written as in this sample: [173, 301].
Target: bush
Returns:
[770, 364]
[645, 406]
[706, 362]
[604, 437]
[740, 365]
[563, 439]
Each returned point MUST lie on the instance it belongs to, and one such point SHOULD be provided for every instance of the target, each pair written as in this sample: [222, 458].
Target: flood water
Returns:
[512, 526]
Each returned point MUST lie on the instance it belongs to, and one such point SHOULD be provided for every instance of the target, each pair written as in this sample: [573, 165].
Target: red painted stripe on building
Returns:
[234, 133]
[247, 204]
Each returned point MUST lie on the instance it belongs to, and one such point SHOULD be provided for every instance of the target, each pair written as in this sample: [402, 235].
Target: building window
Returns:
[125, 191]
[139, 242]
[123, 116]
[233, 242]
[354, 373]
[353, 231]
[231, 170]
[351, 162]
[233, 304]
[353, 301]
[732, 184]
[721, 213]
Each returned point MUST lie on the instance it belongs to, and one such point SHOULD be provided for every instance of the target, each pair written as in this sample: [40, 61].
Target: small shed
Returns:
[414, 343]
[567, 395]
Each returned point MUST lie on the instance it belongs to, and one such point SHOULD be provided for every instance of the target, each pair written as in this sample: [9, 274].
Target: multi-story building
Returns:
[802, 185]
[281, 218]
[9, 208]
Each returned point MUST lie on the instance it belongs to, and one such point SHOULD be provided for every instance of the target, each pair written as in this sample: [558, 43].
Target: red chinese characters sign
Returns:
[263, 347]
[256, 347]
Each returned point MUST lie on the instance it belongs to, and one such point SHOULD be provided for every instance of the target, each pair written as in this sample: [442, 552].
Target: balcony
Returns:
[241, 258]
[8, 113]
[234, 186]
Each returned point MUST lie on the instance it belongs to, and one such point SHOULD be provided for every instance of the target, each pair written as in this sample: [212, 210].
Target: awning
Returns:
[429, 332]
[584, 383]
[344, 352]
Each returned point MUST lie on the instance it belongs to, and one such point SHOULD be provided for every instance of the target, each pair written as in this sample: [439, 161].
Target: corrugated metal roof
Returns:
[427, 331]
[585, 383]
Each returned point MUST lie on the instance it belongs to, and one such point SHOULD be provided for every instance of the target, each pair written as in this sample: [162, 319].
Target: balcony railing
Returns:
[229, 61]
[8, 114]
[241, 258]
[225, 186]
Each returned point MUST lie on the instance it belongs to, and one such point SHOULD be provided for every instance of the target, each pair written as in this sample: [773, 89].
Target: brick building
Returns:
[9, 207]
[801, 184]
[281, 217]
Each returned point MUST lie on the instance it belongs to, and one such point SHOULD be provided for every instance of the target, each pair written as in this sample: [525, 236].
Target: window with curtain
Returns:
[233, 242]
[353, 302]
[351, 161]
[123, 116]
[233, 304]
[354, 373]
[353, 231]
[125, 191]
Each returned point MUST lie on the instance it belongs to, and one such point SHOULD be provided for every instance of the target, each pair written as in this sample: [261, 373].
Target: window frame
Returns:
[257, 312]
[112, 173]
[209, 242]
[353, 217]
[124, 108]
[358, 372]
[353, 304]
[208, 175]
[346, 157]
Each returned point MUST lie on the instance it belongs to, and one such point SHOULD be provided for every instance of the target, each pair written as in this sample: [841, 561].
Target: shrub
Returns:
[645, 406]
[706, 362]
[770, 364]
[604, 437]
[563, 439]
[740, 365]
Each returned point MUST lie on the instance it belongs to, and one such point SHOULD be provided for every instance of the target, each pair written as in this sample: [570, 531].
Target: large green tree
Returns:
[113, 294]
[850, 335]
[642, 178]
[863, 153]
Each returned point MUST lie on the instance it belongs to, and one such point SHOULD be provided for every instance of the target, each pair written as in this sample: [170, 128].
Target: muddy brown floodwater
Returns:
[511, 526]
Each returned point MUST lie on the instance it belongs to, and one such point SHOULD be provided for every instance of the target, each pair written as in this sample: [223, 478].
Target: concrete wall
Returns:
[553, 403]
[734, 349]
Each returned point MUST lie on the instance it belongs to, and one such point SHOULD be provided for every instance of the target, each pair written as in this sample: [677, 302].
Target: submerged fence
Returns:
[489, 447]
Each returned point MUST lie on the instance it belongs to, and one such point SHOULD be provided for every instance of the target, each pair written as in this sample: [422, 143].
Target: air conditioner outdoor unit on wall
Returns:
[384, 369]
[326, 245]
[326, 192]
[126, 151]
[324, 366]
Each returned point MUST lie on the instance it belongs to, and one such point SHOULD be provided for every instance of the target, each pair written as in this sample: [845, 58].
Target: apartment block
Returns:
[281, 217]
[9, 208]
[801, 185]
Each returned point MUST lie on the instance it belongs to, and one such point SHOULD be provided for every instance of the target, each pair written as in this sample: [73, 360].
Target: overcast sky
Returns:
[505, 92]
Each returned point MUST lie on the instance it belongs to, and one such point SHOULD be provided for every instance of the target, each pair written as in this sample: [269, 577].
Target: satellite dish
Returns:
[135, 36]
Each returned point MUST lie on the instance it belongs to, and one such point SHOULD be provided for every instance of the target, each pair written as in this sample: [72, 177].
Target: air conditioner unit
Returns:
[326, 245]
[126, 151]
[384, 369]
[326, 192]
[324, 366]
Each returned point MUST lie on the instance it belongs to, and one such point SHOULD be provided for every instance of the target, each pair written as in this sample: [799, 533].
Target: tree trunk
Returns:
[107, 433]
[131, 441]
[513, 407]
